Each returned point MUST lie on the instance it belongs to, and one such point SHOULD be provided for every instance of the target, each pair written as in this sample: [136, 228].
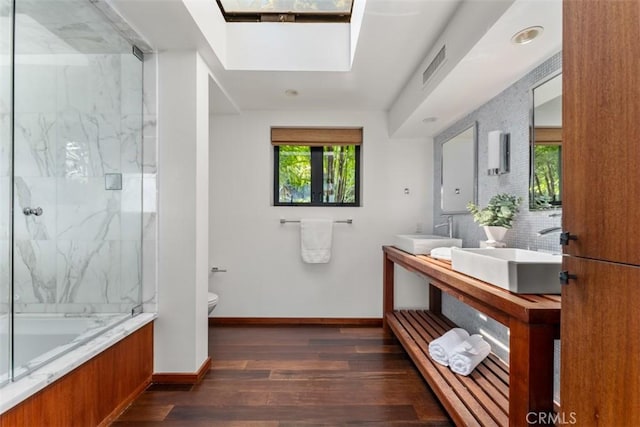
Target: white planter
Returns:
[494, 233]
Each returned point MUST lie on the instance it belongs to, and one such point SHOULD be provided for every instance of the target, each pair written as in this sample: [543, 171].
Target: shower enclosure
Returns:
[70, 179]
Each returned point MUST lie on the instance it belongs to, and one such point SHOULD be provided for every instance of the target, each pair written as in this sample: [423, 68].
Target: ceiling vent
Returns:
[435, 65]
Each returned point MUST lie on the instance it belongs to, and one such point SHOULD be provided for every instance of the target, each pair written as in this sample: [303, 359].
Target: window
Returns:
[316, 166]
[286, 10]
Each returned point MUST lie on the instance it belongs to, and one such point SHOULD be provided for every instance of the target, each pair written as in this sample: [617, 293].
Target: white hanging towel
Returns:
[315, 240]
[441, 348]
[469, 354]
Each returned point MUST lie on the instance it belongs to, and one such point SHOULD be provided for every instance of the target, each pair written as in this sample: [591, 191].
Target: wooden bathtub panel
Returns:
[94, 393]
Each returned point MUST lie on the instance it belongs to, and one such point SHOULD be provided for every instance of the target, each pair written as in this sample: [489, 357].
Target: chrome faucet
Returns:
[448, 224]
[549, 230]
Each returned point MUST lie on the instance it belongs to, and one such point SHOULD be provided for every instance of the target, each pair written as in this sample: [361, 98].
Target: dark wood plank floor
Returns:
[295, 376]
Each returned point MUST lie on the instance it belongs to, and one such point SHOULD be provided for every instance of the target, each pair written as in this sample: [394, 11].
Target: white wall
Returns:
[266, 277]
[180, 344]
[279, 46]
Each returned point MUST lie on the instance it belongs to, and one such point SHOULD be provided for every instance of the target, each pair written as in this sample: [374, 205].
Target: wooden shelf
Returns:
[482, 398]
[494, 394]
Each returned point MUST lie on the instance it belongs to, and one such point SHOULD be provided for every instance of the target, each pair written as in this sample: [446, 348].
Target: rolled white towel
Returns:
[441, 348]
[468, 354]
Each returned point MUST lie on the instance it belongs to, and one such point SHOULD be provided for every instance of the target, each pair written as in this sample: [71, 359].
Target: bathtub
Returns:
[47, 346]
[39, 338]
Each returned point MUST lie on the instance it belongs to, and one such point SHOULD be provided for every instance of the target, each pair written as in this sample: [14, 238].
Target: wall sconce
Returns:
[498, 153]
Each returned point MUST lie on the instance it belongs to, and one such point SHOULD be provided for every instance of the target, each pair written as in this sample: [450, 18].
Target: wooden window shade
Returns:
[316, 137]
[548, 136]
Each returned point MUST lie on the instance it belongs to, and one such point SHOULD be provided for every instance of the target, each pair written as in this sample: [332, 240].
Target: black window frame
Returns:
[289, 16]
[317, 190]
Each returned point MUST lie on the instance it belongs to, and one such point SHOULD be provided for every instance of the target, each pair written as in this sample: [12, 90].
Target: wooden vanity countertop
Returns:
[495, 301]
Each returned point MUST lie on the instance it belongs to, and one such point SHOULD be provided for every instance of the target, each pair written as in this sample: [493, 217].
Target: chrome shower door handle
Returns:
[32, 211]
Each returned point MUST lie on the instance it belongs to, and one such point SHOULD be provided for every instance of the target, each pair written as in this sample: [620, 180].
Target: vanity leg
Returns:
[387, 289]
[435, 299]
[530, 370]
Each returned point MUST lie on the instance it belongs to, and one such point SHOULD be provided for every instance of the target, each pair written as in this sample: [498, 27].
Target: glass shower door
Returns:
[77, 178]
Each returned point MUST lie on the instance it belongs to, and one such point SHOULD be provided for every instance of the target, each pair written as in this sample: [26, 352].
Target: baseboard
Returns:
[182, 378]
[125, 404]
[295, 321]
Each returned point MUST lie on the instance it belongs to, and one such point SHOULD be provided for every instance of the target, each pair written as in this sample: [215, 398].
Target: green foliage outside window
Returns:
[317, 175]
[339, 177]
[295, 174]
[546, 176]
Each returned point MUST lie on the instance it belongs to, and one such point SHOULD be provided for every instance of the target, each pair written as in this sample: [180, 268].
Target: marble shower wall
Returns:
[78, 117]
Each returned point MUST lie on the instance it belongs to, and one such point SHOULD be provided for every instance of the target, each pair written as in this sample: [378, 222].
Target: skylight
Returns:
[286, 10]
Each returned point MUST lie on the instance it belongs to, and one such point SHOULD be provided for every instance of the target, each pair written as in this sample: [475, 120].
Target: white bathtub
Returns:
[93, 334]
[40, 338]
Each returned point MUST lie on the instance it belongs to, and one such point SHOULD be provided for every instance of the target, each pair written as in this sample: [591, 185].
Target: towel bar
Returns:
[341, 221]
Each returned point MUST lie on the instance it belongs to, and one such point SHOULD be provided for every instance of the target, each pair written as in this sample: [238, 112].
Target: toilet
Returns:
[212, 301]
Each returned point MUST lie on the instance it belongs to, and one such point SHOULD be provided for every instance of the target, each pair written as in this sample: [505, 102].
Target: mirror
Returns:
[458, 184]
[546, 145]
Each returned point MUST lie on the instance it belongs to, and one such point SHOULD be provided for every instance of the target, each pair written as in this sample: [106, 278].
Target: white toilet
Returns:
[212, 301]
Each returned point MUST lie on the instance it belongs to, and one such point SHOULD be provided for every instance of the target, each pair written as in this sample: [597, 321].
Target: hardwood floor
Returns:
[295, 376]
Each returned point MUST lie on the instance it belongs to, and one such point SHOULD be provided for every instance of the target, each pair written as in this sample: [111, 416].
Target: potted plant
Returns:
[497, 217]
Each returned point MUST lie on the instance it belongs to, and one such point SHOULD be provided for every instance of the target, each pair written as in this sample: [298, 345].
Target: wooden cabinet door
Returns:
[600, 344]
[601, 128]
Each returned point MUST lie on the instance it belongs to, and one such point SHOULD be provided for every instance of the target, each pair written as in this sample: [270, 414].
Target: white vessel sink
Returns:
[516, 270]
[420, 244]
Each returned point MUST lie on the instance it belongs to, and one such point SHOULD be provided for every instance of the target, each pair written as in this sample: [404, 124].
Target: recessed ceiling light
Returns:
[527, 35]
[291, 92]
[429, 120]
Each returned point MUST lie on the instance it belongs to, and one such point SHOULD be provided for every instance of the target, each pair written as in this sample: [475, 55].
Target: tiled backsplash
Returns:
[508, 112]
